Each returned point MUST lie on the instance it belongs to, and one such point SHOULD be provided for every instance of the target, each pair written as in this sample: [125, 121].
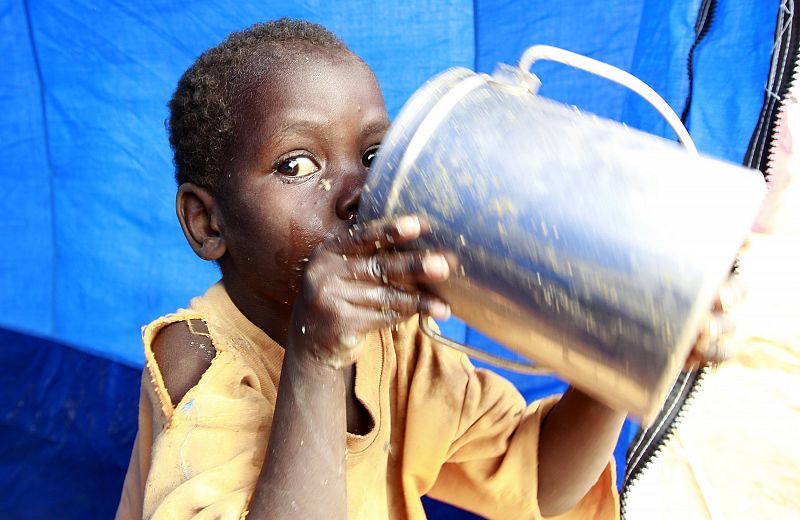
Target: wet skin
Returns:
[303, 152]
[302, 157]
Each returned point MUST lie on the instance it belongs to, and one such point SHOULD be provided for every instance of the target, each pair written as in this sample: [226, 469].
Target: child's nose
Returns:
[350, 196]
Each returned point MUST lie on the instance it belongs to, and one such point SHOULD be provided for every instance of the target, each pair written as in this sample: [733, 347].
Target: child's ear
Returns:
[198, 212]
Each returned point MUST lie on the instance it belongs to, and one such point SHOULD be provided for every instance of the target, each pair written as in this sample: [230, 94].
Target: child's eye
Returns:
[368, 156]
[297, 167]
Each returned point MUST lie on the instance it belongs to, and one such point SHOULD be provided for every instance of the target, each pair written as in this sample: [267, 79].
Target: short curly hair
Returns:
[203, 108]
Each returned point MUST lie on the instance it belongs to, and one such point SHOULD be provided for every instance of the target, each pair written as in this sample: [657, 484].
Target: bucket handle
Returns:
[516, 366]
[611, 73]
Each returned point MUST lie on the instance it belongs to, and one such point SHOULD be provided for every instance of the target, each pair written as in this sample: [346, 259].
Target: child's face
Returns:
[301, 155]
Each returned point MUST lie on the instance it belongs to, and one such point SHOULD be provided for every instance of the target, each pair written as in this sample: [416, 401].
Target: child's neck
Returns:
[268, 315]
[273, 318]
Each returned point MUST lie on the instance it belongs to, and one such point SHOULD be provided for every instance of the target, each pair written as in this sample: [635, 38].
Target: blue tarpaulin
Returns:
[93, 251]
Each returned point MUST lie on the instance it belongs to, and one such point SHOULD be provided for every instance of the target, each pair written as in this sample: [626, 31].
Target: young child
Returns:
[299, 386]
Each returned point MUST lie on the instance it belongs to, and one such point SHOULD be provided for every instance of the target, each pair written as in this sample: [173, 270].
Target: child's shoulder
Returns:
[183, 351]
[178, 348]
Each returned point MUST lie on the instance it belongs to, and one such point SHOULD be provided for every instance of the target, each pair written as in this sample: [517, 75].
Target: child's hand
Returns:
[713, 345]
[357, 283]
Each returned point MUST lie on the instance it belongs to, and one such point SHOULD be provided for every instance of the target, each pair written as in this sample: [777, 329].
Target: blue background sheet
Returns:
[91, 247]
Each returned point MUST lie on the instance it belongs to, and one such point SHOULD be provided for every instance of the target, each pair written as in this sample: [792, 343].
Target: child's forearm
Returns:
[576, 442]
[304, 475]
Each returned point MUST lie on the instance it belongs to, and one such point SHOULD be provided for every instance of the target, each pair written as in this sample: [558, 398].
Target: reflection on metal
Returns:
[592, 248]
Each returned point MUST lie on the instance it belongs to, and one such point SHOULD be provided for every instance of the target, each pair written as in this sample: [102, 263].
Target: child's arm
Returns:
[576, 441]
[304, 472]
[350, 288]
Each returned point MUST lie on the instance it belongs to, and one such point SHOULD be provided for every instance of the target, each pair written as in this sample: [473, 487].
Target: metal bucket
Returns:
[592, 248]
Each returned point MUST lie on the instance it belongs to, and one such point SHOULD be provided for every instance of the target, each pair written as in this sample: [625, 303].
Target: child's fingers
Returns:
[399, 268]
[379, 235]
[730, 295]
[713, 342]
[395, 305]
